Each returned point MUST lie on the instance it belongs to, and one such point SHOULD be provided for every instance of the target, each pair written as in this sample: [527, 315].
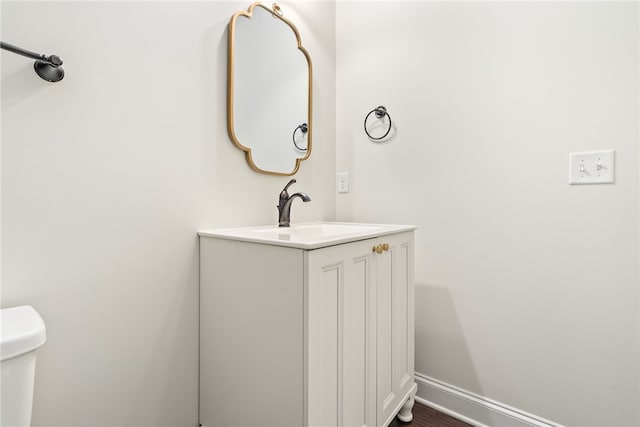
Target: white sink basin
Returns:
[317, 231]
[309, 235]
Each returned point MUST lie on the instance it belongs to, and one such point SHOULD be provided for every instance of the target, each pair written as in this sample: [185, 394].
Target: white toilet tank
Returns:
[22, 331]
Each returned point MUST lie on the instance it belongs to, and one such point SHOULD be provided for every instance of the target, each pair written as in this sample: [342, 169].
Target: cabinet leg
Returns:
[406, 412]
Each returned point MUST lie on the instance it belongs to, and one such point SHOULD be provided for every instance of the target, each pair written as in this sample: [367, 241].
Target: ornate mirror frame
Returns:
[276, 12]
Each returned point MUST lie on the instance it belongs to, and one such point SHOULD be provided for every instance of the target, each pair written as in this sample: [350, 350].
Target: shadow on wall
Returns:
[19, 85]
[177, 380]
[442, 351]
[445, 370]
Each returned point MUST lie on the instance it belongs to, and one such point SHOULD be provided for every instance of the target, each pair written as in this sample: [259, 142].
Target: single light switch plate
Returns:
[592, 167]
[343, 182]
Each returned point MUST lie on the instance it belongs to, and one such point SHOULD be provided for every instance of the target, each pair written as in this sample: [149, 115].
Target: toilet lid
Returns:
[21, 330]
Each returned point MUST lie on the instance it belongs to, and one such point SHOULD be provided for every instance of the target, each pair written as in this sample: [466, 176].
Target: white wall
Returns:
[527, 288]
[106, 178]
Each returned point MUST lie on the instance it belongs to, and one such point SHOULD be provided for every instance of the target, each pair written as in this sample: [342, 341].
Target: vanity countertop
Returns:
[311, 235]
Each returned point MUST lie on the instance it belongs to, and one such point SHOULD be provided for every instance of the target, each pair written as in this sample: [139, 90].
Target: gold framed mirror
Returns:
[269, 95]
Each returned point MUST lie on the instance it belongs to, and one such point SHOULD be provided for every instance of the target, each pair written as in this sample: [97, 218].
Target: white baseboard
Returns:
[471, 408]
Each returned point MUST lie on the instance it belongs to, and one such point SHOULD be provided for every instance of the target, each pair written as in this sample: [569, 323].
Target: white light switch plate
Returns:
[343, 182]
[592, 167]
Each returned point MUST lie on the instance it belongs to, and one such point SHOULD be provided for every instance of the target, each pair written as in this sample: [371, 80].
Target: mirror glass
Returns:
[269, 90]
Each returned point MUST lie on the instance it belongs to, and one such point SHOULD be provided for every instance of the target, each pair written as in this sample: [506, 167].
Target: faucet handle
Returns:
[293, 181]
[284, 194]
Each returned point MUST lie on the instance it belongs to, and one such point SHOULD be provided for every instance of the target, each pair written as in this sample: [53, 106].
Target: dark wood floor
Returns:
[423, 416]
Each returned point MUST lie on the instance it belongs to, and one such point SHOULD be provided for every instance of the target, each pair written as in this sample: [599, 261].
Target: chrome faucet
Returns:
[284, 204]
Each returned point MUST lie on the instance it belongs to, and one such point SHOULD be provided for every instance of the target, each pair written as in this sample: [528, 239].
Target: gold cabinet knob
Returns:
[381, 248]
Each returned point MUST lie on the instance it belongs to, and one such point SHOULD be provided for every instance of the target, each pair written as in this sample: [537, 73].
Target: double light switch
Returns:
[592, 167]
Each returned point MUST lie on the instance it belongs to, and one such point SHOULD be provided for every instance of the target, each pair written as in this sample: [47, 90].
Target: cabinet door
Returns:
[340, 354]
[394, 324]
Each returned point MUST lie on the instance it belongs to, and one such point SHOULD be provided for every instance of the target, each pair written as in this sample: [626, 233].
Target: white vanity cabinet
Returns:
[315, 335]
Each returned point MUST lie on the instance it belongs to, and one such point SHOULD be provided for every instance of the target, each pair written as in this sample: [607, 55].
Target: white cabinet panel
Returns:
[385, 333]
[339, 285]
[395, 325]
[251, 336]
[323, 346]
